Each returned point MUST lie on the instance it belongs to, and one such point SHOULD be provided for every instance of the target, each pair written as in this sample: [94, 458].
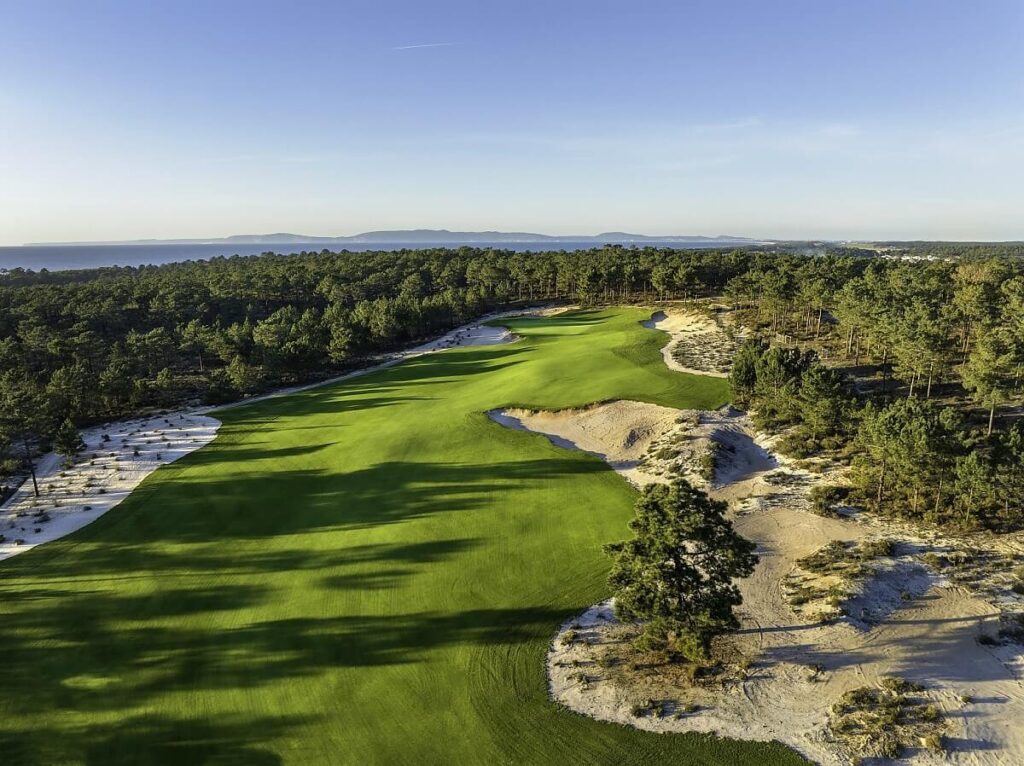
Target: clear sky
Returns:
[818, 118]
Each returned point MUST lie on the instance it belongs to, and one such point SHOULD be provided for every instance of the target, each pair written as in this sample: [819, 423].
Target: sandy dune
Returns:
[903, 621]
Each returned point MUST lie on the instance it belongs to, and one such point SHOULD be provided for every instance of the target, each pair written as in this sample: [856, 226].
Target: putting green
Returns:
[363, 573]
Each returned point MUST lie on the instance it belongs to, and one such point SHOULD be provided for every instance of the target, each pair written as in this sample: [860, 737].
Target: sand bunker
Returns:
[619, 432]
[476, 334]
[116, 459]
[647, 443]
[697, 343]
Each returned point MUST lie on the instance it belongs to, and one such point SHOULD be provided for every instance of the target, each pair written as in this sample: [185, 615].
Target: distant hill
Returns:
[419, 237]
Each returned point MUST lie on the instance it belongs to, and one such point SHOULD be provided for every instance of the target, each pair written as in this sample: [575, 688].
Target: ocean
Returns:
[63, 257]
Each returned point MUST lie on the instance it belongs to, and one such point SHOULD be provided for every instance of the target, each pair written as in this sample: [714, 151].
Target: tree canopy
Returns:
[677, 573]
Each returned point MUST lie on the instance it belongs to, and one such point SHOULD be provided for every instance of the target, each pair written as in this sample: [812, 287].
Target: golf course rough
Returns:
[364, 573]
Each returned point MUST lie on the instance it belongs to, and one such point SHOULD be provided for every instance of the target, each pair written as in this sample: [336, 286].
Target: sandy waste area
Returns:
[116, 459]
[905, 619]
[698, 344]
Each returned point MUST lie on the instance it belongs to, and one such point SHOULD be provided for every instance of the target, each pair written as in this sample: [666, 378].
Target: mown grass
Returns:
[364, 573]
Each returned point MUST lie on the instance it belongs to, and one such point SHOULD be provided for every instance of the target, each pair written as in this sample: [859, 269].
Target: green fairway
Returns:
[364, 573]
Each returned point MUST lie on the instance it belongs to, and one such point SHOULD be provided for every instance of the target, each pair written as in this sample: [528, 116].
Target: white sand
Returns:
[903, 620]
[619, 432]
[705, 341]
[100, 478]
[107, 471]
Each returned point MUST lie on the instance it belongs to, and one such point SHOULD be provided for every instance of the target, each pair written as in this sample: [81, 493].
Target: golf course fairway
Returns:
[364, 573]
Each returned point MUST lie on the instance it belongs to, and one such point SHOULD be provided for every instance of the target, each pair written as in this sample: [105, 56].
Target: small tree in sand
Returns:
[677, 573]
[67, 441]
[22, 416]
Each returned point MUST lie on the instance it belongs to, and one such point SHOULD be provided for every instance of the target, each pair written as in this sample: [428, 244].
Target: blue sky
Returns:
[867, 119]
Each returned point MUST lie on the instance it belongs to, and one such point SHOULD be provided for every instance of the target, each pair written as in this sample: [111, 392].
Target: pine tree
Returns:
[743, 376]
[677, 573]
[988, 369]
[67, 441]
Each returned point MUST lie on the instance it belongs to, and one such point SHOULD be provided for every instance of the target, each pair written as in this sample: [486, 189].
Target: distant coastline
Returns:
[73, 257]
[426, 237]
[93, 255]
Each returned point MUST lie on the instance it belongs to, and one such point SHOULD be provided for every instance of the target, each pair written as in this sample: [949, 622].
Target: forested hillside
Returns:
[946, 333]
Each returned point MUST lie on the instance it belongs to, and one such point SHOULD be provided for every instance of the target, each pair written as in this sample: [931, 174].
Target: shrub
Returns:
[898, 685]
[934, 560]
[873, 549]
[708, 464]
[657, 708]
[880, 722]
[824, 498]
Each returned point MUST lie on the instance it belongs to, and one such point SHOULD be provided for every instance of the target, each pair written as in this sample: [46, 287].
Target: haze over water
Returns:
[63, 257]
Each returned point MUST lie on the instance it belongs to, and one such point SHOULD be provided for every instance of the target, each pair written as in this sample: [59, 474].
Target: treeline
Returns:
[920, 357]
[99, 344]
[103, 343]
[961, 250]
[790, 390]
[94, 345]
[922, 322]
[910, 456]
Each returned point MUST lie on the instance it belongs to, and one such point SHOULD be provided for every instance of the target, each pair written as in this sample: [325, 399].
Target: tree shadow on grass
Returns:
[104, 650]
[154, 740]
[248, 451]
[377, 389]
[112, 654]
[115, 563]
[99, 649]
[575, 318]
[269, 503]
[320, 402]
